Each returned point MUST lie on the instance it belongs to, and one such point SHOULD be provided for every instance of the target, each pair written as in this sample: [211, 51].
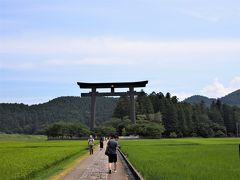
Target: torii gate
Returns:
[112, 86]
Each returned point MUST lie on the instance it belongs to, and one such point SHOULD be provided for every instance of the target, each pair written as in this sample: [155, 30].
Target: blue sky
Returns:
[183, 47]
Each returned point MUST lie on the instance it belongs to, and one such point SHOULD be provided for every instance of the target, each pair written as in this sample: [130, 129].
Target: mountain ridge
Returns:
[232, 99]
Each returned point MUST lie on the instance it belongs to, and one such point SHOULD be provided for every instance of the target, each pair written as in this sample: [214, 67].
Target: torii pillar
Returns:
[93, 108]
[132, 105]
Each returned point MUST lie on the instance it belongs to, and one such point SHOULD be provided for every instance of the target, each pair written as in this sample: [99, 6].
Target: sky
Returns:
[184, 47]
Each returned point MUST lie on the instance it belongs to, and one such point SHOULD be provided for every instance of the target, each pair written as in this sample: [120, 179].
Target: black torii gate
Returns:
[112, 86]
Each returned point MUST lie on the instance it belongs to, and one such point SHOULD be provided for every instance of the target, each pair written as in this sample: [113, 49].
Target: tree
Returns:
[104, 131]
[63, 130]
[174, 100]
[170, 118]
[203, 127]
[168, 96]
[155, 101]
[123, 107]
[189, 118]
[144, 104]
[216, 116]
[156, 117]
[181, 123]
[145, 129]
[230, 124]
[118, 124]
[218, 104]
[219, 131]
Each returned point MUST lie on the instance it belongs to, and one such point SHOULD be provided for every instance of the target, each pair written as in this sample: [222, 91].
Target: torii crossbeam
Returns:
[112, 86]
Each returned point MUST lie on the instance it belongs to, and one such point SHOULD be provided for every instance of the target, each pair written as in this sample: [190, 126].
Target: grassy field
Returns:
[27, 157]
[193, 158]
[21, 137]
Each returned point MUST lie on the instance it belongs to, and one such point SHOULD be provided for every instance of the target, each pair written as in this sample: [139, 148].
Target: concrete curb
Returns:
[135, 173]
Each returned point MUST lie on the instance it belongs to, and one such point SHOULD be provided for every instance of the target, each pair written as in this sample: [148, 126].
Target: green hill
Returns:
[20, 118]
[197, 99]
[232, 99]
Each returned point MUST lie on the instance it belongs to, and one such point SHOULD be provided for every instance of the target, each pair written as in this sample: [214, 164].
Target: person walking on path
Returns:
[101, 143]
[111, 149]
[90, 144]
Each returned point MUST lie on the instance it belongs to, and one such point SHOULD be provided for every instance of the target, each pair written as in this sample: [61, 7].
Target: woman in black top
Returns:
[101, 143]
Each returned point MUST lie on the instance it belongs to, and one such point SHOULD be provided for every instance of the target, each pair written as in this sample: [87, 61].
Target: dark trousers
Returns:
[91, 149]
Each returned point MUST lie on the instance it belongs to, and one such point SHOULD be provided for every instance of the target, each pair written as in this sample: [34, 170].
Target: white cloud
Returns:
[88, 61]
[203, 15]
[17, 65]
[212, 12]
[116, 46]
[182, 95]
[235, 83]
[217, 89]
[115, 51]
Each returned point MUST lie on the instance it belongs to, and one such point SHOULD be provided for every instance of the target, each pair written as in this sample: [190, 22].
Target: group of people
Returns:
[111, 150]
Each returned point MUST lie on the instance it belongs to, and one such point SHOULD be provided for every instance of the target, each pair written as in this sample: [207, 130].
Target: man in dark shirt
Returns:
[112, 153]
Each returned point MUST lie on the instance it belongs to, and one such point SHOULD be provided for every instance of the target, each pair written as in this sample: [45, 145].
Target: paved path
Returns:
[122, 171]
[95, 167]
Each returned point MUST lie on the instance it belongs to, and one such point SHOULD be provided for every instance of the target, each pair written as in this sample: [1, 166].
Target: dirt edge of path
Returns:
[69, 168]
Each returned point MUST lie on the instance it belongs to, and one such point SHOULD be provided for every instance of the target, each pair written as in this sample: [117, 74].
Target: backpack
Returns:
[90, 142]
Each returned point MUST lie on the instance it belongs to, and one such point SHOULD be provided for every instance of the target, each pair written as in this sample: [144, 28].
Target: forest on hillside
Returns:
[181, 119]
[157, 115]
[20, 118]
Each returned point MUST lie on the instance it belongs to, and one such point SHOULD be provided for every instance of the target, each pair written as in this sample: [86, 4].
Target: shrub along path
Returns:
[95, 167]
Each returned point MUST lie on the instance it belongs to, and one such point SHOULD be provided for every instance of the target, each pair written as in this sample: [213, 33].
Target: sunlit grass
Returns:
[190, 158]
[22, 159]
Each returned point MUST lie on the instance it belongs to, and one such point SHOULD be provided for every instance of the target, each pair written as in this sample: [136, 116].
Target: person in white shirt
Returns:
[90, 144]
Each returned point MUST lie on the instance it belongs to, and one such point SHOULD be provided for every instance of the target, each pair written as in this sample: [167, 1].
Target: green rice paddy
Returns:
[191, 158]
[27, 157]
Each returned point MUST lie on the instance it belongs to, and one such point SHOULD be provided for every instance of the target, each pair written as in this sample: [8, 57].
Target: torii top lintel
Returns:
[84, 85]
